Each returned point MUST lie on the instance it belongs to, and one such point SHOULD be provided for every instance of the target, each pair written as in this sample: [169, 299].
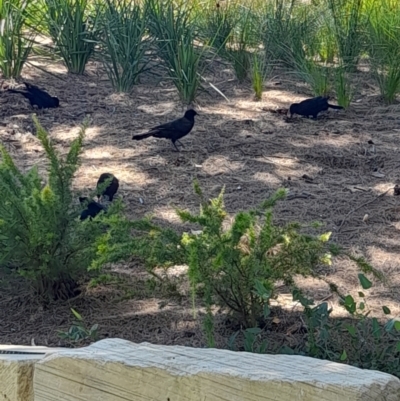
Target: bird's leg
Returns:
[173, 142]
[180, 143]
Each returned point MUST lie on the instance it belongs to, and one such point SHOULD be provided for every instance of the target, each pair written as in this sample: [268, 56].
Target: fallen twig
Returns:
[361, 206]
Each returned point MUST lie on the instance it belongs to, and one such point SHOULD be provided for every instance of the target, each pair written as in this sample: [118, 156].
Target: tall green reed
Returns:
[123, 42]
[73, 26]
[16, 35]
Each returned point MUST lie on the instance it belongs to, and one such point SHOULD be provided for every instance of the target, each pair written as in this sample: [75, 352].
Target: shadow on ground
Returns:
[331, 171]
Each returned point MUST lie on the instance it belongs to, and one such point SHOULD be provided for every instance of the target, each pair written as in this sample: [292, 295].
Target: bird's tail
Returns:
[142, 136]
[335, 107]
[16, 91]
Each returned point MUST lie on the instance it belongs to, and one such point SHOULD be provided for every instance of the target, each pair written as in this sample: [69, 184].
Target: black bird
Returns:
[92, 208]
[37, 96]
[112, 187]
[173, 130]
[311, 107]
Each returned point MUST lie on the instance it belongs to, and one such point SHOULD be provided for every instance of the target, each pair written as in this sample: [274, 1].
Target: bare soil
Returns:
[333, 173]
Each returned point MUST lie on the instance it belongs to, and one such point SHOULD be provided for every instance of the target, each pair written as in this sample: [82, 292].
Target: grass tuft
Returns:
[16, 39]
[73, 26]
[123, 42]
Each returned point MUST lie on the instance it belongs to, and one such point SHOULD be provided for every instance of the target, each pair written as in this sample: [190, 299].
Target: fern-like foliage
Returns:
[40, 233]
[238, 267]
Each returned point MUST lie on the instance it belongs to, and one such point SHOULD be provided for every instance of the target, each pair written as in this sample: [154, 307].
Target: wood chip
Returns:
[377, 174]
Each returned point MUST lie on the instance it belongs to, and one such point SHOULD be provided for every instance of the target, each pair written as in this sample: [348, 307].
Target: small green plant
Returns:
[241, 62]
[241, 41]
[347, 25]
[315, 74]
[123, 42]
[252, 341]
[384, 47]
[217, 23]
[343, 86]
[154, 245]
[304, 58]
[258, 75]
[40, 231]
[318, 326]
[78, 332]
[173, 28]
[15, 40]
[361, 341]
[298, 42]
[285, 26]
[73, 26]
[103, 279]
[327, 48]
[372, 345]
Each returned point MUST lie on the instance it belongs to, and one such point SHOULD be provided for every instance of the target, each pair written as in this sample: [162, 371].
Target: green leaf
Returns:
[361, 294]
[350, 304]
[266, 311]
[397, 325]
[254, 330]
[285, 350]
[351, 330]
[365, 283]
[76, 314]
[377, 332]
[232, 340]
[386, 310]
[343, 357]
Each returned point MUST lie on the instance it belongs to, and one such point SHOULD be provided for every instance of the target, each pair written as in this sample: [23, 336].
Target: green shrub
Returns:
[238, 267]
[40, 233]
[73, 26]
[123, 42]
[16, 40]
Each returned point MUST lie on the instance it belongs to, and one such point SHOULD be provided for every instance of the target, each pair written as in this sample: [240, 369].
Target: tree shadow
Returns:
[327, 165]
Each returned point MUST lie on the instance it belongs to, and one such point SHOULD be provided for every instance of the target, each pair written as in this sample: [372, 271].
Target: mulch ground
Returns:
[333, 171]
